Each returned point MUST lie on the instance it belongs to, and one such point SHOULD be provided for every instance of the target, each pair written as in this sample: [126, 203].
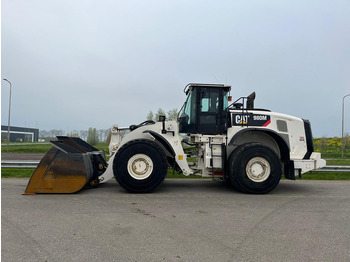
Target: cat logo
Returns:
[241, 119]
[251, 120]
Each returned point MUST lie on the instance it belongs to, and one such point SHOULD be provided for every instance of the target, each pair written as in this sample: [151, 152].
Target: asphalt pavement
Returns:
[184, 220]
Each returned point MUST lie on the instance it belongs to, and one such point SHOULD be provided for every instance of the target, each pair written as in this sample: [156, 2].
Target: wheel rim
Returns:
[258, 169]
[140, 166]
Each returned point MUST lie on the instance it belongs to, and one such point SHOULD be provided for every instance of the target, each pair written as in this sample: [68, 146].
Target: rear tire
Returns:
[254, 168]
[140, 166]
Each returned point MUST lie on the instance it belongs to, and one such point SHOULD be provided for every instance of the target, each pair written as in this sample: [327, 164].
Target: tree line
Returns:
[94, 136]
[171, 115]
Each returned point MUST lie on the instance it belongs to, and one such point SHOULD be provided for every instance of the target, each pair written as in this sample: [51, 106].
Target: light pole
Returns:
[8, 124]
[342, 128]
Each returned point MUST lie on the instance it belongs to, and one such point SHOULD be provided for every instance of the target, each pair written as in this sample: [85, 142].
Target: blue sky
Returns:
[81, 64]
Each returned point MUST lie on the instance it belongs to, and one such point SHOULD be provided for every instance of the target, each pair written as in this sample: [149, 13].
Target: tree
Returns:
[73, 133]
[92, 137]
[56, 132]
[102, 134]
[172, 115]
[150, 115]
[83, 134]
[108, 139]
[44, 134]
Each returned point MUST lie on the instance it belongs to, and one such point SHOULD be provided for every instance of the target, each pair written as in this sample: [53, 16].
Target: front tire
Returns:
[140, 166]
[254, 168]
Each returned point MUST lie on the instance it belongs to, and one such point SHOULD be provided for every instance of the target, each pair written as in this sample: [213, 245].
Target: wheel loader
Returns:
[213, 137]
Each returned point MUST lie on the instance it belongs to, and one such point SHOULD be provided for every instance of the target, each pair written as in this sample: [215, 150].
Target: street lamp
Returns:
[8, 125]
[342, 128]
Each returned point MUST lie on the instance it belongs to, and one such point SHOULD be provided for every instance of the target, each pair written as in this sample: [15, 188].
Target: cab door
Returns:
[211, 116]
[205, 110]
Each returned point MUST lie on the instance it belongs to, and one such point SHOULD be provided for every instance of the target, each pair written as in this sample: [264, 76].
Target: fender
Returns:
[174, 148]
[282, 143]
[163, 141]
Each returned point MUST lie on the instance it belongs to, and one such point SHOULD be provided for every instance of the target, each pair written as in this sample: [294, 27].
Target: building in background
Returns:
[20, 134]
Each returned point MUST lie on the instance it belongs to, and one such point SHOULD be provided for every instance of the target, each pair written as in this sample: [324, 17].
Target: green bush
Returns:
[332, 147]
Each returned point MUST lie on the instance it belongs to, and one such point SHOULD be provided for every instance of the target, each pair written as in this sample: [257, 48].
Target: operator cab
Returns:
[205, 109]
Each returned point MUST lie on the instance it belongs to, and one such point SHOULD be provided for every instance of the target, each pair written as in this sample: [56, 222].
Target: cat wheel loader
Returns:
[249, 147]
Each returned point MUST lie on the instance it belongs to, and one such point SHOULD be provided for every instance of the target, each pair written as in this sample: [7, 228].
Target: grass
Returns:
[338, 162]
[314, 175]
[16, 173]
[32, 148]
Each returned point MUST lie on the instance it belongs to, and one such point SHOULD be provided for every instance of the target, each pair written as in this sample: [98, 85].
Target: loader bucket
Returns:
[69, 166]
